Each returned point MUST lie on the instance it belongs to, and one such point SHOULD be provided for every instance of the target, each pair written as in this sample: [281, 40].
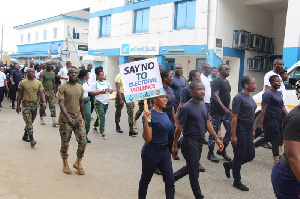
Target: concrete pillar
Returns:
[161, 60]
[291, 46]
[123, 59]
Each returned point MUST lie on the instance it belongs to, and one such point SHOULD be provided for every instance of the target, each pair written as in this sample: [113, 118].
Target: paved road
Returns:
[113, 167]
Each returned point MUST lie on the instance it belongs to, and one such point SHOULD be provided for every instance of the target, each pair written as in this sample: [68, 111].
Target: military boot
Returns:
[32, 141]
[66, 168]
[77, 165]
[25, 137]
[54, 122]
[42, 122]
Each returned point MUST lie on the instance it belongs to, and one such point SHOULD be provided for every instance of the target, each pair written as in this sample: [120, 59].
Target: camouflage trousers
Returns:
[141, 108]
[129, 106]
[65, 131]
[51, 100]
[29, 111]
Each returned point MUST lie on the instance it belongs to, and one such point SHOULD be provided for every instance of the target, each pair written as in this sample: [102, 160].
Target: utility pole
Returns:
[2, 44]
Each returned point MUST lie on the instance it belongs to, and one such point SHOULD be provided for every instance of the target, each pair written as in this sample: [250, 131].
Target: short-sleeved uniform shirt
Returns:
[63, 73]
[224, 89]
[194, 117]
[2, 78]
[161, 127]
[17, 77]
[185, 94]
[245, 106]
[291, 125]
[178, 84]
[30, 89]
[206, 81]
[171, 102]
[119, 80]
[99, 86]
[48, 79]
[71, 94]
[274, 110]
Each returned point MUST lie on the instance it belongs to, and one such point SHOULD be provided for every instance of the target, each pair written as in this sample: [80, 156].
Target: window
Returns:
[22, 38]
[141, 20]
[105, 26]
[29, 39]
[185, 15]
[54, 33]
[36, 35]
[75, 33]
[45, 34]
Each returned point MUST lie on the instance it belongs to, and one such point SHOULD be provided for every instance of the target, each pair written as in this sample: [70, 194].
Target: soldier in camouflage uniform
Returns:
[47, 77]
[72, 118]
[119, 103]
[141, 109]
[28, 89]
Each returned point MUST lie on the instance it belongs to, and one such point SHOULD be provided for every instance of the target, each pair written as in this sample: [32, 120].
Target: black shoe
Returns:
[241, 187]
[132, 132]
[118, 128]
[44, 114]
[88, 140]
[103, 136]
[32, 143]
[157, 171]
[176, 158]
[201, 168]
[25, 138]
[13, 107]
[212, 157]
[224, 155]
[227, 169]
[267, 146]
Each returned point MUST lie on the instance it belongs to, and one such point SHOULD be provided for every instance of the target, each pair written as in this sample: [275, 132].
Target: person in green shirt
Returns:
[27, 90]
[47, 77]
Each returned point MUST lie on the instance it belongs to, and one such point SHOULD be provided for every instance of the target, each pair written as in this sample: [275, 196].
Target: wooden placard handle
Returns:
[146, 108]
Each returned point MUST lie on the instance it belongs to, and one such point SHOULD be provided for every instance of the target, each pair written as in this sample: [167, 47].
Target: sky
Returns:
[18, 12]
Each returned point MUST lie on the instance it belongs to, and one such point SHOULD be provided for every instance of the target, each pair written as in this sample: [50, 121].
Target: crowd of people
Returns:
[190, 107]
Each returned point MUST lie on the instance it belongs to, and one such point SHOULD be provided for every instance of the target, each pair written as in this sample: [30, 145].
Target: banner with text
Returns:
[141, 79]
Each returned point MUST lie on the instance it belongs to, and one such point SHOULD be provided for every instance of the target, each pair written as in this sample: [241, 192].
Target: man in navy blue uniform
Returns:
[193, 119]
[219, 111]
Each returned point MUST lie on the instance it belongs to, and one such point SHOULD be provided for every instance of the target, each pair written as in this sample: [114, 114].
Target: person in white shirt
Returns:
[63, 73]
[101, 90]
[205, 79]
[38, 72]
[91, 81]
[3, 85]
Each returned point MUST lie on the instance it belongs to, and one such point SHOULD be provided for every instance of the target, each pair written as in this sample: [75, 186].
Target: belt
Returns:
[285, 161]
[201, 140]
[159, 146]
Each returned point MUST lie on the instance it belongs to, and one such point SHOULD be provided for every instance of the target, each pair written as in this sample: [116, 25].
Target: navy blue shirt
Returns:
[161, 127]
[170, 104]
[224, 89]
[245, 106]
[275, 103]
[17, 77]
[194, 117]
[177, 85]
[185, 94]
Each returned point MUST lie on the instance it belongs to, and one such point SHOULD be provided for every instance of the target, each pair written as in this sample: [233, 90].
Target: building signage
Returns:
[141, 79]
[128, 2]
[141, 48]
[82, 50]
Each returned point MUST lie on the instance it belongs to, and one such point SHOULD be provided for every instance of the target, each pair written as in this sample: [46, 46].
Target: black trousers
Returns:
[13, 92]
[2, 90]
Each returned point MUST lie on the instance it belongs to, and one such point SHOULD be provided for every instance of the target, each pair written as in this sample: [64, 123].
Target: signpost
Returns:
[141, 80]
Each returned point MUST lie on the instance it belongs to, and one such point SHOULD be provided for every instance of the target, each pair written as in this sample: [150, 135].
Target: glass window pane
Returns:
[145, 26]
[138, 21]
[180, 16]
[108, 25]
[103, 26]
[190, 14]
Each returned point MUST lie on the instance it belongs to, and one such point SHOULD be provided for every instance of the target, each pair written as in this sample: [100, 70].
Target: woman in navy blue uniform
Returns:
[242, 131]
[271, 113]
[155, 152]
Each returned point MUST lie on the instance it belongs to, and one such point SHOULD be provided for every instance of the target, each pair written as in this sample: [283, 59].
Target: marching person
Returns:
[28, 89]
[155, 151]
[72, 118]
[15, 78]
[220, 112]
[285, 175]
[83, 81]
[119, 103]
[3, 85]
[242, 131]
[47, 77]
[101, 90]
[63, 73]
[178, 84]
[193, 120]
[271, 113]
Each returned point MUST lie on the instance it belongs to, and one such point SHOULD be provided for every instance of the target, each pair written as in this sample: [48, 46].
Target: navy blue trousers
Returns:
[244, 151]
[285, 183]
[271, 134]
[191, 150]
[2, 90]
[216, 121]
[153, 157]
